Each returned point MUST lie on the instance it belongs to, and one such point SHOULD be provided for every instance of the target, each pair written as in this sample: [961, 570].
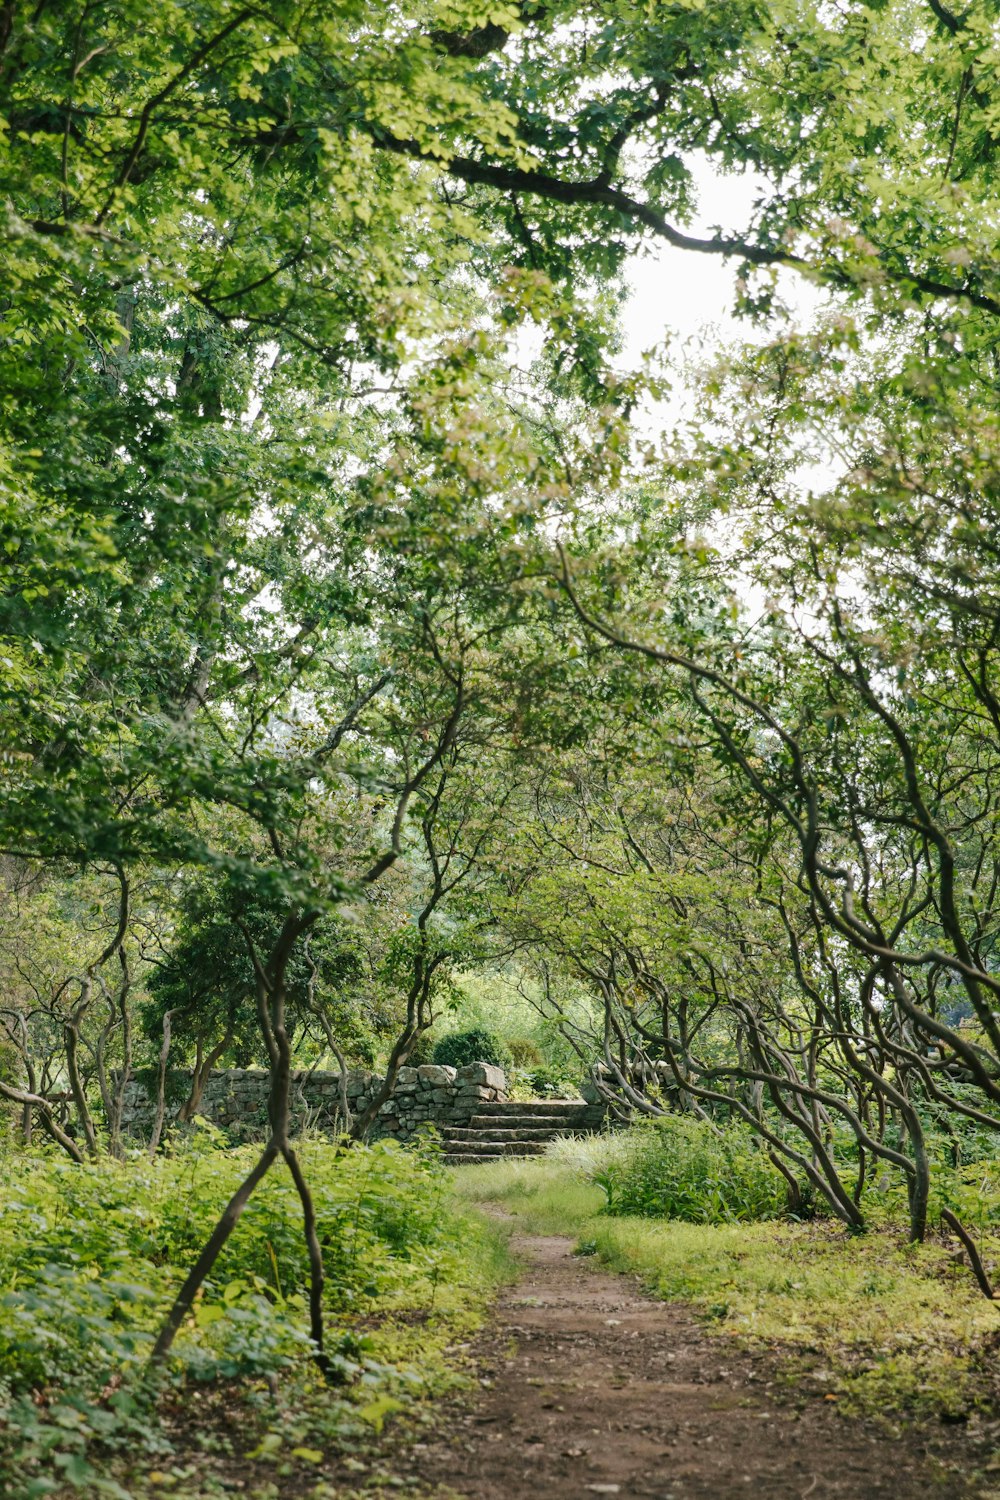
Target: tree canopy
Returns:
[355, 629]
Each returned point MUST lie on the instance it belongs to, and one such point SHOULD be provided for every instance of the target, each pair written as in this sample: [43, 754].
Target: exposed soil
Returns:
[589, 1387]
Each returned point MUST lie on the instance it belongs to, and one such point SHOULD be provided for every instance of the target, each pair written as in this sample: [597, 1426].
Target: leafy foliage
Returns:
[206, 980]
[461, 1047]
[89, 1259]
[310, 586]
[692, 1170]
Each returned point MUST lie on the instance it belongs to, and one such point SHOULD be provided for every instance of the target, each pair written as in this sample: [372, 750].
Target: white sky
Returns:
[686, 298]
[684, 292]
[693, 293]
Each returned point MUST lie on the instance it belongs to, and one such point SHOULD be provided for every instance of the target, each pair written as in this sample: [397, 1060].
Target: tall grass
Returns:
[544, 1195]
[679, 1168]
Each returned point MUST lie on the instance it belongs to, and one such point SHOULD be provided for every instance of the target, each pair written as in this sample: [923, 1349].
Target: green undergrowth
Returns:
[91, 1257]
[678, 1167]
[682, 1168]
[895, 1329]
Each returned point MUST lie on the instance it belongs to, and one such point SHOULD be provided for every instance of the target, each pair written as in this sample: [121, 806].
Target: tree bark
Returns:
[227, 1222]
[200, 1075]
[71, 1038]
[48, 1121]
[161, 1087]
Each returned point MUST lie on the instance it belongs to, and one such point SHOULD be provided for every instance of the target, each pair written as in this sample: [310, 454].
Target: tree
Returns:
[277, 511]
[241, 510]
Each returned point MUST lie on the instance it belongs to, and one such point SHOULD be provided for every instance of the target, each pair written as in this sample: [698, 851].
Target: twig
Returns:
[978, 1269]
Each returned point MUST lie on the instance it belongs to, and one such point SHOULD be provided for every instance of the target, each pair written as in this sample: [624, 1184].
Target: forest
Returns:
[439, 681]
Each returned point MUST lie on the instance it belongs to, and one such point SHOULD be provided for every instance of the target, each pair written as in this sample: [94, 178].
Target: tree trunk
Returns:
[71, 1037]
[200, 1075]
[48, 1121]
[271, 1011]
[227, 1222]
[161, 1087]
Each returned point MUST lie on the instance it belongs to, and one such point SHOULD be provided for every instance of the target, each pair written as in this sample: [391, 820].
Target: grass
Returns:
[89, 1261]
[90, 1257]
[901, 1329]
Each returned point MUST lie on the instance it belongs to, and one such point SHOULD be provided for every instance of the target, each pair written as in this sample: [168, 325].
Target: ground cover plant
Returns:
[679, 1169]
[899, 1332]
[89, 1260]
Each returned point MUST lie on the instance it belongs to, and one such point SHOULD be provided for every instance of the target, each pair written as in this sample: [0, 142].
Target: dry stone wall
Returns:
[235, 1099]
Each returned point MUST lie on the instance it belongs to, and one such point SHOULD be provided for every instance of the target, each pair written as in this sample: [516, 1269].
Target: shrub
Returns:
[421, 1052]
[552, 1082]
[477, 1045]
[90, 1259]
[680, 1168]
[524, 1053]
[541, 1083]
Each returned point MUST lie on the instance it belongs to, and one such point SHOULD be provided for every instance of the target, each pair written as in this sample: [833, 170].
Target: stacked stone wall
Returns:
[235, 1100]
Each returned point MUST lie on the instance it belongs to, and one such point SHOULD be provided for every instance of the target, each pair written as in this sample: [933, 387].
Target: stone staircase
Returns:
[514, 1128]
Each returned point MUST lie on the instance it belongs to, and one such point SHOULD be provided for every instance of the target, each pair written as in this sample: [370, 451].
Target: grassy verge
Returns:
[899, 1330]
[91, 1257]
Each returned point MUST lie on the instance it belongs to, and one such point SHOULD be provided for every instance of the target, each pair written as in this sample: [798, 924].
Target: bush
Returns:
[680, 1168]
[524, 1053]
[541, 1083]
[478, 1045]
[90, 1258]
[551, 1082]
[421, 1052]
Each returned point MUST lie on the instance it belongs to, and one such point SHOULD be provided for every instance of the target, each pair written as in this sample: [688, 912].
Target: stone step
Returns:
[508, 1131]
[455, 1149]
[539, 1121]
[472, 1160]
[555, 1109]
[542, 1124]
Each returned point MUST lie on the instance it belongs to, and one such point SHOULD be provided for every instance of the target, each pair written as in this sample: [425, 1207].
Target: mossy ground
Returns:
[901, 1329]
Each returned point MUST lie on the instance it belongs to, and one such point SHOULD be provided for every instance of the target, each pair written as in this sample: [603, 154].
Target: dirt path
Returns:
[591, 1388]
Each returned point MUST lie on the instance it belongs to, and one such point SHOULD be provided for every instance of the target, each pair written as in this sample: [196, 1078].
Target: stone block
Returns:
[435, 1075]
[483, 1074]
[424, 1098]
